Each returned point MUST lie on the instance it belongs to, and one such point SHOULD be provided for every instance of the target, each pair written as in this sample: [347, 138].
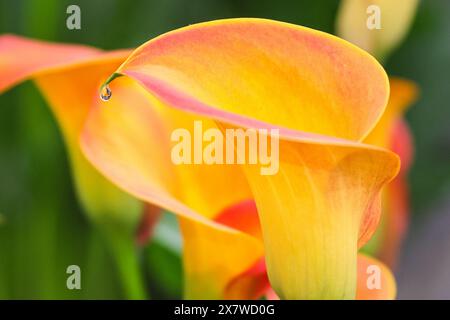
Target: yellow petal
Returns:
[275, 72]
[69, 77]
[322, 205]
[214, 257]
[375, 280]
[395, 18]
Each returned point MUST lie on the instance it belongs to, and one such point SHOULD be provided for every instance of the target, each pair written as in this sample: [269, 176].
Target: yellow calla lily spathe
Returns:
[324, 202]
[374, 280]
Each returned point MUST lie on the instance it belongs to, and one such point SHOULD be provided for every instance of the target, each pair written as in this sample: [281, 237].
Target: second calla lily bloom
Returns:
[322, 93]
[68, 76]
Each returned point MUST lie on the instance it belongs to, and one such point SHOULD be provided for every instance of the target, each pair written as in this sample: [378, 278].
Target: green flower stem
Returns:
[126, 255]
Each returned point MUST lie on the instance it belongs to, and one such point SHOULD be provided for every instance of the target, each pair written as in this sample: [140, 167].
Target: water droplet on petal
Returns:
[105, 93]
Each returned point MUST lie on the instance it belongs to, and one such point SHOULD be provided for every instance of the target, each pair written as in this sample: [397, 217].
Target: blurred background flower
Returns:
[42, 228]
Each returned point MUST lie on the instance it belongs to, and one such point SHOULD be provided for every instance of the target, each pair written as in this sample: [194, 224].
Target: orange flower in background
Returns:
[323, 94]
[393, 132]
[68, 76]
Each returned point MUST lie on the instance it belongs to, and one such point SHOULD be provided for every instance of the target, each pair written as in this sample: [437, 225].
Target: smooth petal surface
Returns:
[395, 19]
[324, 201]
[402, 143]
[275, 72]
[375, 280]
[17, 64]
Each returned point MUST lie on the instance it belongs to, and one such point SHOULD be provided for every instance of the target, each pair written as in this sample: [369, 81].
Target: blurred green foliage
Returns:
[42, 227]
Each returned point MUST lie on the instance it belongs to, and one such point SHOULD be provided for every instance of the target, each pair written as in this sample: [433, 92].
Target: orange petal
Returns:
[17, 64]
[256, 68]
[242, 216]
[396, 218]
[375, 280]
[69, 77]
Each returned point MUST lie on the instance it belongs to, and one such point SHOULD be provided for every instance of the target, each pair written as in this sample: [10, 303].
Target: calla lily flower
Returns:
[395, 18]
[322, 93]
[68, 76]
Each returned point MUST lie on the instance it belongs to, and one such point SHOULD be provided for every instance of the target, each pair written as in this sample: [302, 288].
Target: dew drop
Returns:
[105, 93]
